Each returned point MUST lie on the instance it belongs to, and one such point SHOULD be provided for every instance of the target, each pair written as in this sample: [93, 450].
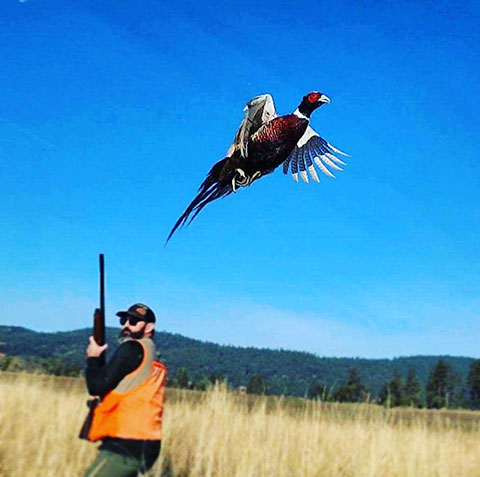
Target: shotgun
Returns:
[99, 315]
[99, 336]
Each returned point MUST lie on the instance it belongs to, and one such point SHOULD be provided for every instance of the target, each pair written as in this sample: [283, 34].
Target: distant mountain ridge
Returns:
[285, 372]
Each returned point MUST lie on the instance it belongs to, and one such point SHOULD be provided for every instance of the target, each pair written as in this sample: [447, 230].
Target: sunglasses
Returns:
[131, 319]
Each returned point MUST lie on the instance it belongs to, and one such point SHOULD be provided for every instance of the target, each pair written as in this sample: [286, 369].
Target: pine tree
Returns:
[473, 383]
[203, 384]
[216, 377]
[181, 378]
[413, 390]
[256, 385]
[392, 393]
[316, 390]
[5, 362]
[384, 395]
[440, 388]
[353, 390]
[396, 389]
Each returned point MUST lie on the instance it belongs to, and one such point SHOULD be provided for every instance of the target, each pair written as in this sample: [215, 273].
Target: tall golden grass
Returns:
[223, 434]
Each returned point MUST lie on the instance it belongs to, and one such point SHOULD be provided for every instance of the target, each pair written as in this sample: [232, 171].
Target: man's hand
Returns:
[94, 350]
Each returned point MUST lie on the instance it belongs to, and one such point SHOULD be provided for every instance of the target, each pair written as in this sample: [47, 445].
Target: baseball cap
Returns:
[140, 311]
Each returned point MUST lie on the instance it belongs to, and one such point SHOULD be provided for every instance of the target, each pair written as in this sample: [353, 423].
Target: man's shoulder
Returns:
[129, 355]
[148, 343]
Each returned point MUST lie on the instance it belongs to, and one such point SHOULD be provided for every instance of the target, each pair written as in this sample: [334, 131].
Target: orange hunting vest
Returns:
[133, 410]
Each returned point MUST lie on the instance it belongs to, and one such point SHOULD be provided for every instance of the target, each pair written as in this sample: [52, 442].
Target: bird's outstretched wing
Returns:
[258, 111]
[312, 149]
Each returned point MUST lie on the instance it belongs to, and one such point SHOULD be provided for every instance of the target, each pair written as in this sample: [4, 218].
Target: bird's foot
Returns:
[255, 176]
[240, 179]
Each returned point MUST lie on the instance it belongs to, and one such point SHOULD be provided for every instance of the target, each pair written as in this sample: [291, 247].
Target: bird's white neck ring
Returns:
[300, 115]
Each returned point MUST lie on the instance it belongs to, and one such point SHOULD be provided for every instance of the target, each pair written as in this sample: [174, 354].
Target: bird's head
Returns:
[311, 102]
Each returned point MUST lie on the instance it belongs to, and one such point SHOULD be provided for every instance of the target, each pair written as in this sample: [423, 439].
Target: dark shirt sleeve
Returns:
[102, 379]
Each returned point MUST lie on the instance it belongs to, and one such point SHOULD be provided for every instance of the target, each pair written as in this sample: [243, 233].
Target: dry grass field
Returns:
[221, 433]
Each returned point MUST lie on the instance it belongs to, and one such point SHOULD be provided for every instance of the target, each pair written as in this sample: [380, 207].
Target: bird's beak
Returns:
[324, 99]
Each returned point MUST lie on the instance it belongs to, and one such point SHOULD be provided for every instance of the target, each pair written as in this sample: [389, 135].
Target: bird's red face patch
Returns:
[313, 97]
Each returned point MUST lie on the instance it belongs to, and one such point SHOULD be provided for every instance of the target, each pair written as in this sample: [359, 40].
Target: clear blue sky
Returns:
[111, 114]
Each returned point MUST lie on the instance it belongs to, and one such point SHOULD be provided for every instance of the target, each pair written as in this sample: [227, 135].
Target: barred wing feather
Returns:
[312, 149]
[258, 111]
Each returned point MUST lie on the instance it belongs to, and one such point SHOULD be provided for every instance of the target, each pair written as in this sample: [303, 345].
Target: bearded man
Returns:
[131, 389]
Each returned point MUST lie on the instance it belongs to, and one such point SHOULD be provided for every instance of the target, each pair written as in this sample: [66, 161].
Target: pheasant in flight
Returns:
[263, 141]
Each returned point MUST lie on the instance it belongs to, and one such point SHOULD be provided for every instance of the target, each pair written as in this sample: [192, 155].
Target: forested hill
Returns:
[284, 372]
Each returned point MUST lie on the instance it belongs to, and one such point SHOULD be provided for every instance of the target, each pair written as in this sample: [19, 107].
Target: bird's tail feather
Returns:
[209, 190]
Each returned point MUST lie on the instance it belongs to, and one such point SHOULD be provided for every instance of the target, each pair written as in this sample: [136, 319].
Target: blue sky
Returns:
[111, 114]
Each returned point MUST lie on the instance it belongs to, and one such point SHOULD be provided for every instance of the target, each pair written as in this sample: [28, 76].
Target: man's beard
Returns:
[127, 334]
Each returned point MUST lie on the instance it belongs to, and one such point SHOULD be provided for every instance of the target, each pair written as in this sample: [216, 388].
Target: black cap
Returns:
[140, 311]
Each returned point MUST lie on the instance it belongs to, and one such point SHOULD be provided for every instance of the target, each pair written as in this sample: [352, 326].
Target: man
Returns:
[131, 387]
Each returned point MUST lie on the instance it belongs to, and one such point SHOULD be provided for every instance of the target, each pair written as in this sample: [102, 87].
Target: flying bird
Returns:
[263, 141]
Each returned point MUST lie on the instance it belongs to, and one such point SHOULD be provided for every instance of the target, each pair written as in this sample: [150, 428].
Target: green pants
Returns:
[109, 464]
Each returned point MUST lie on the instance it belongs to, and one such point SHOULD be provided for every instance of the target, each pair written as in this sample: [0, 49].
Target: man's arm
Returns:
[103, 379]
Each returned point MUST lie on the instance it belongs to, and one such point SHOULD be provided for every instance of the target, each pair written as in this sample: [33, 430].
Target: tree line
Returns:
[195, 364]
[443, 389]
